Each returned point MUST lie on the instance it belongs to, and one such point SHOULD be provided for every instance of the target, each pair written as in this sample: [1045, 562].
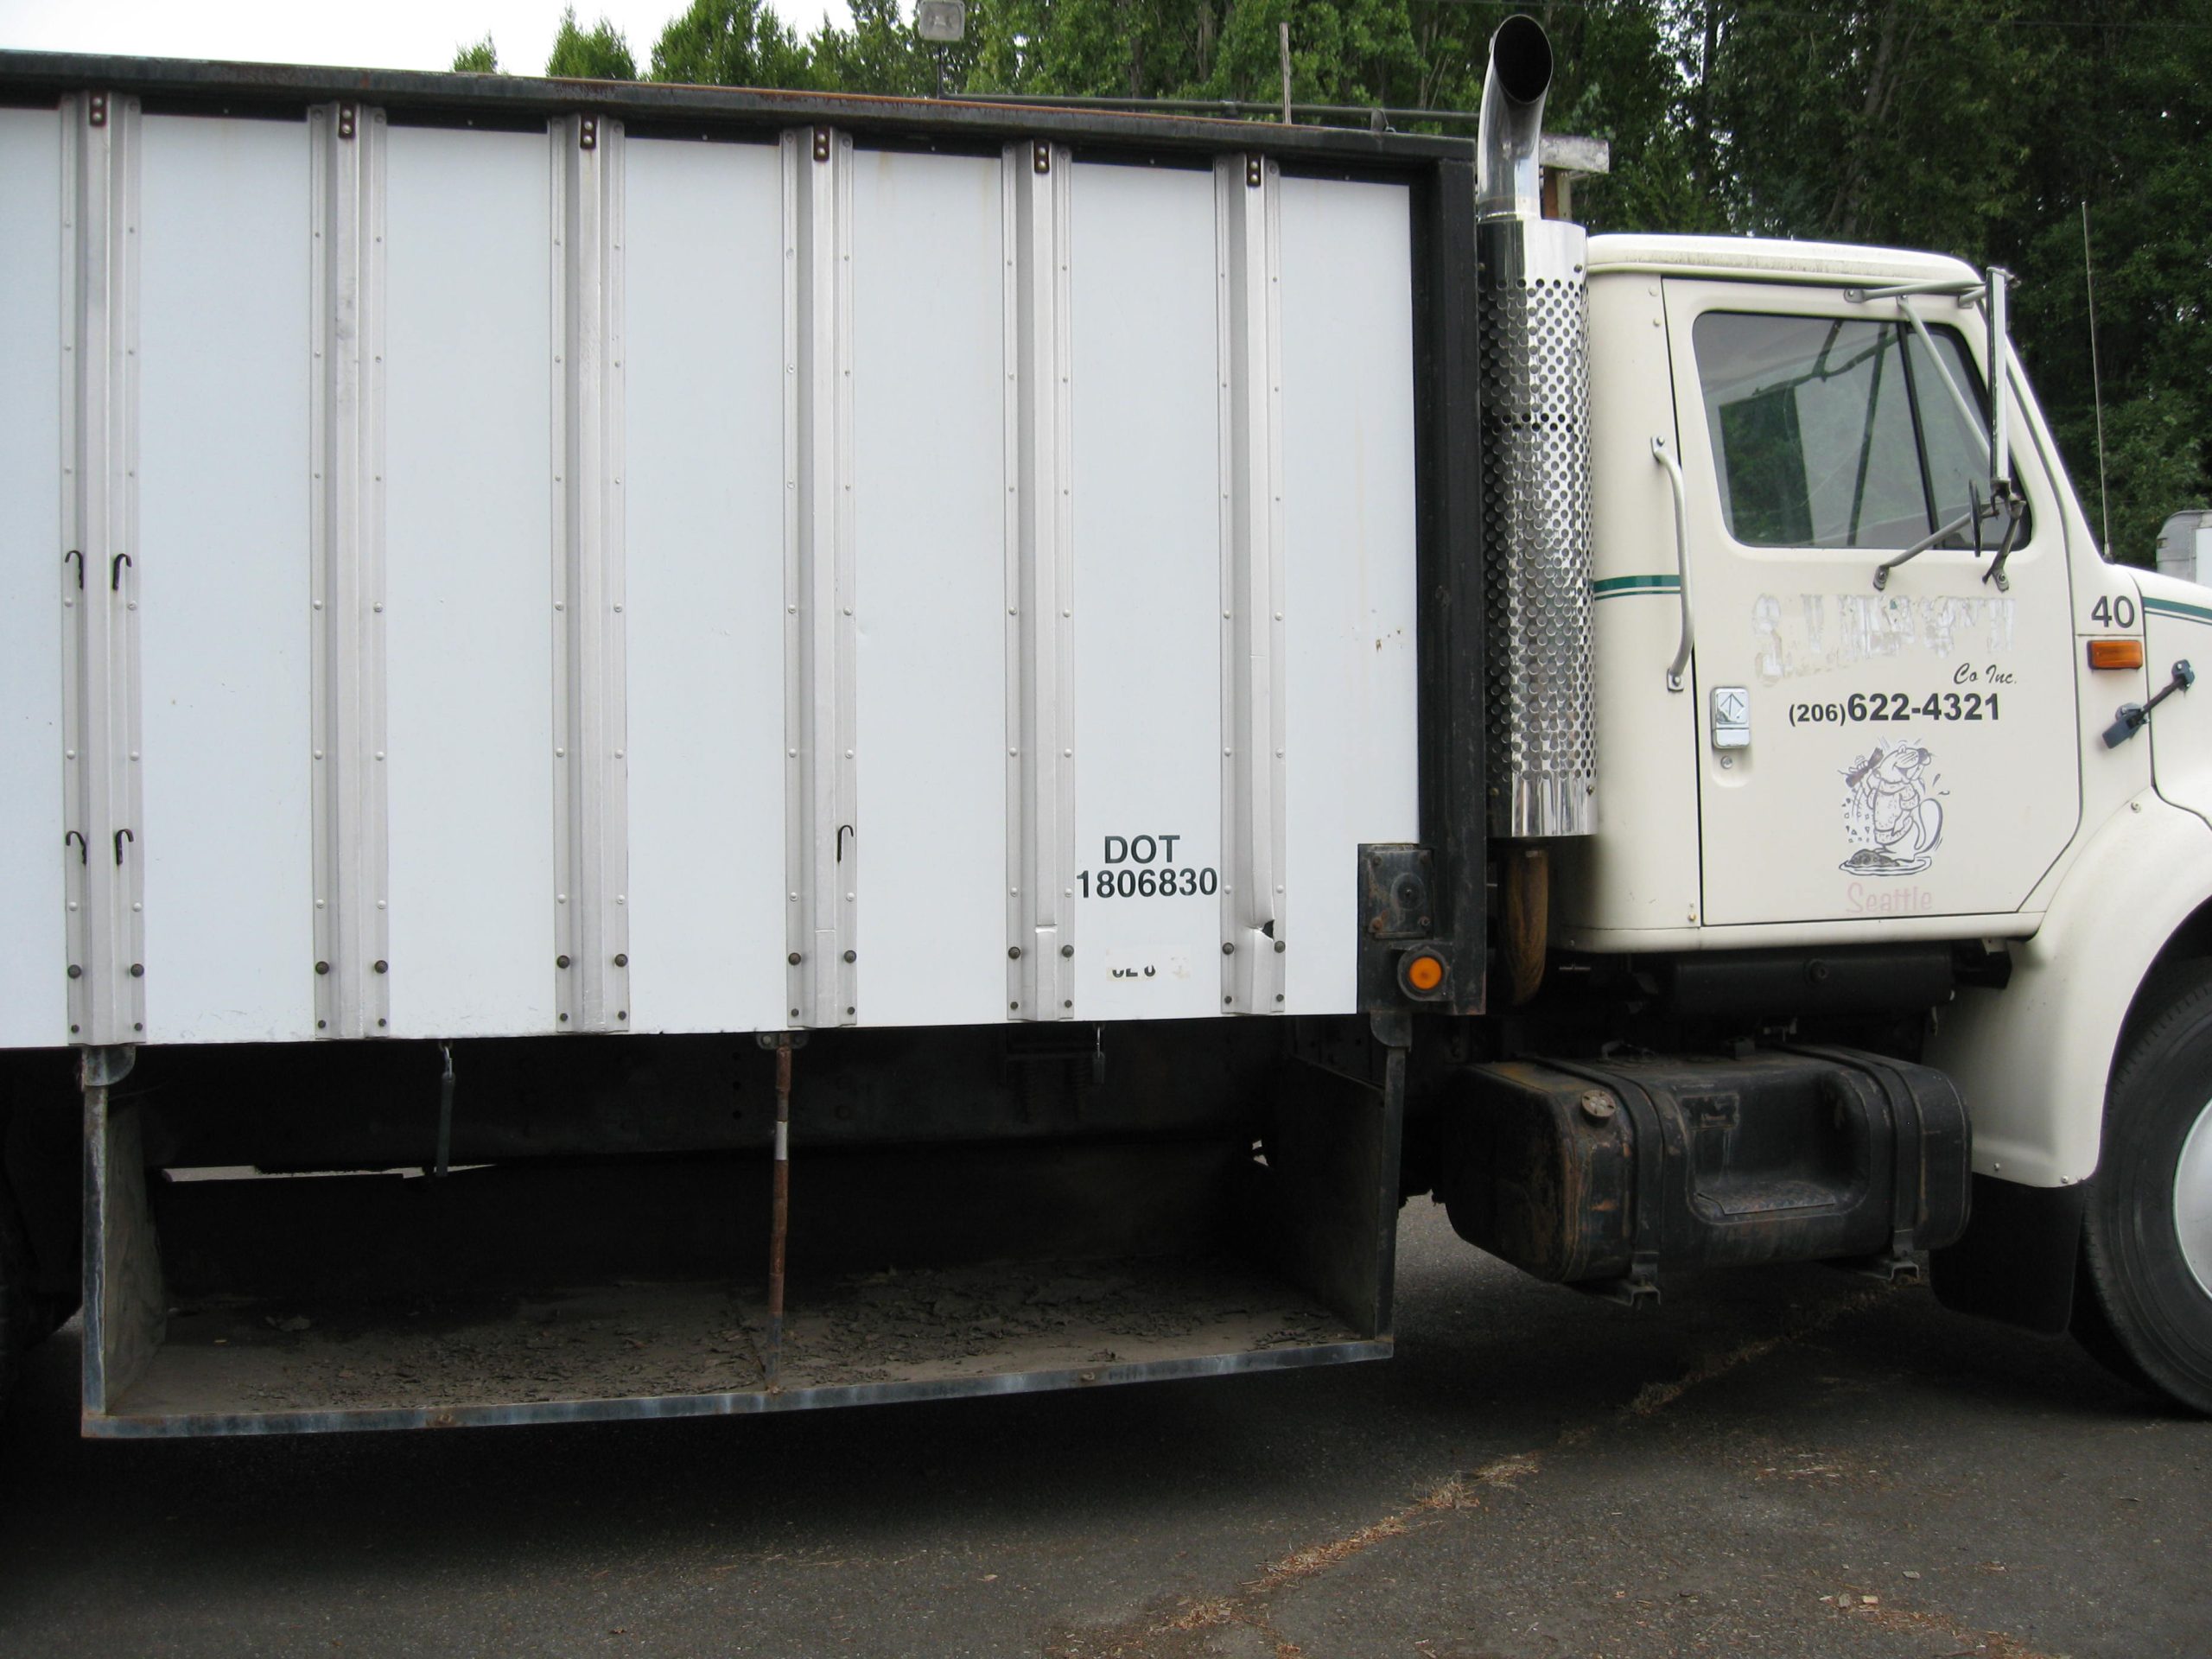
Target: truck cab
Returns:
[1843, 748]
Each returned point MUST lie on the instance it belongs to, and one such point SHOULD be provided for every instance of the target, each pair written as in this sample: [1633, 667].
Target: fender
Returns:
[2031, 1061]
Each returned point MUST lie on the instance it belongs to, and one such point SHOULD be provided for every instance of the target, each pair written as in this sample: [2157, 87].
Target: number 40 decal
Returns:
[2114, 613]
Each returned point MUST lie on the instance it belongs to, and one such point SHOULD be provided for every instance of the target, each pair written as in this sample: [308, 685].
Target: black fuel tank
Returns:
[1581, 1171]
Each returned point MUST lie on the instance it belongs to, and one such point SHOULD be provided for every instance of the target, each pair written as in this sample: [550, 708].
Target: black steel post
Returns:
[780, 1224]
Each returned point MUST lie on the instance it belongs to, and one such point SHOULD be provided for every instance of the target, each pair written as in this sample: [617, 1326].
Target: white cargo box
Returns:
[458, 581]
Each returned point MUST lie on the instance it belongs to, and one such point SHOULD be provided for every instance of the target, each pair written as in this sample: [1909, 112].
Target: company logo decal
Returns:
[1893, 810]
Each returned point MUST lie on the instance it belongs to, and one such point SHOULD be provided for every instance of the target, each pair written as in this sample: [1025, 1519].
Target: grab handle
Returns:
[1665, 457]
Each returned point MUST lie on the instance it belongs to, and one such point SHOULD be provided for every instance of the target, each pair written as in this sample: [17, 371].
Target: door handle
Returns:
[1665, 457]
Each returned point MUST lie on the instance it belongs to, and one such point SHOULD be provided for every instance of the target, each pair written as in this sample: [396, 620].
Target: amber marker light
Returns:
[1424, 972]
[2115, 653]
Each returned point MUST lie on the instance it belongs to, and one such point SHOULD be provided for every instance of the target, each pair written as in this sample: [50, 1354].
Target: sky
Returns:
[364, 35]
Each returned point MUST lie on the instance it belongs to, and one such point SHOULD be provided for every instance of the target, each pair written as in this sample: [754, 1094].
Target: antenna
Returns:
[2096, 383]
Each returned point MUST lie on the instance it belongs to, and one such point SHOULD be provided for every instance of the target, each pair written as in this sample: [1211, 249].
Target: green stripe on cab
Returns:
[1615, 587]
[2175, 607]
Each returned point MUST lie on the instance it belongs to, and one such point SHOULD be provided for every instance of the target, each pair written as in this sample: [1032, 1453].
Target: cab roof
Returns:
[1773, 260]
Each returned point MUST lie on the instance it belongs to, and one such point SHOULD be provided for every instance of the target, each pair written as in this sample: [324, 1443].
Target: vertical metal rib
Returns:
[821, 837]
[1247, 235]
[1039, 586]
[103, 857]
[590, 719]
[346, 570]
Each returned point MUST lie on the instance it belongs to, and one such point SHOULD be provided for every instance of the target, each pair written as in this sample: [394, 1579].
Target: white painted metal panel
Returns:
[222, 569]
[34, 1003]
[468, 573]
[473, 473]
[1640, 869]
[703, 382]
[929, 409]
[1347, 484]
[1148, 575]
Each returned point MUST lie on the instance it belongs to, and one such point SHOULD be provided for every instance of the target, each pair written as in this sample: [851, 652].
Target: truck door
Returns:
[1864, 752]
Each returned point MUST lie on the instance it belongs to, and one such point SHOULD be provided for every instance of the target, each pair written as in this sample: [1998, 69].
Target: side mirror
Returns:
[1996, 306]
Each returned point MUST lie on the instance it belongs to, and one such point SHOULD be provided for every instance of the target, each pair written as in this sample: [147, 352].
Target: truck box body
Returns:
[515, 610]
[840, 575]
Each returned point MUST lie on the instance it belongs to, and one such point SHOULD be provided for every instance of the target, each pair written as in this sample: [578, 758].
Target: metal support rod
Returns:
[1966, 520]
[1997, 307]
[779, 1225]
[2096, 385]
[1968, 412]
[445, 1114]
[1967, 290]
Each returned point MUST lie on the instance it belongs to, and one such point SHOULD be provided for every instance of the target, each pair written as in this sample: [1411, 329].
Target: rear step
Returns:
[563, 1291]
[1596, 1174]
[291, 1364]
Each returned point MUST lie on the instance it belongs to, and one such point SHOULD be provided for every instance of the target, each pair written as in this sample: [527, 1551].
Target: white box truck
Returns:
[667, 751]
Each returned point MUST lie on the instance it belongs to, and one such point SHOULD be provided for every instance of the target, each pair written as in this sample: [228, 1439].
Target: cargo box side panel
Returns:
[470, 579]
[33, 1004]
[1148, 593]
[1348, 485]
[703, 387]
[222, 570]
[929, 430]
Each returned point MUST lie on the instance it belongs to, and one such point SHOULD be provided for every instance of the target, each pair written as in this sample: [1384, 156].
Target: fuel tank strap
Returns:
[1650, 1146]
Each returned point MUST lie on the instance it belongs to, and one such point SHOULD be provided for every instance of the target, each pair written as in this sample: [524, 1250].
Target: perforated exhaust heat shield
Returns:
[1533, 311]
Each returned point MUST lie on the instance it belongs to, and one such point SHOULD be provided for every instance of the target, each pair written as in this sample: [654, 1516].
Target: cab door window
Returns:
[1837, 432]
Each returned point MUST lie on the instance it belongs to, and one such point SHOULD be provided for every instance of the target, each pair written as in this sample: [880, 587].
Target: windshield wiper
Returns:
[2003, 494]
[2005, 501]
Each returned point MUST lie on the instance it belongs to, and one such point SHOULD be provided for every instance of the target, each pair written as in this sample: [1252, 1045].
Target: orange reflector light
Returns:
[1425, 973]
[2115, 653]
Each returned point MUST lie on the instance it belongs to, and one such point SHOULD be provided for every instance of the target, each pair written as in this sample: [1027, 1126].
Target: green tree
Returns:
[733, 43]
[881, 54]
[2126, 128]
[1980, 128]
[1617, 78]
[602, 55]
[481, 59]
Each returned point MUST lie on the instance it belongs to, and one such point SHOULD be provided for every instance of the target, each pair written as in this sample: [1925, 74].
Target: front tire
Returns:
[2147, 1246]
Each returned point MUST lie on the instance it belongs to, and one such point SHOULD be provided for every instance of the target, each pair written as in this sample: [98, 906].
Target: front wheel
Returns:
[2146, 1245]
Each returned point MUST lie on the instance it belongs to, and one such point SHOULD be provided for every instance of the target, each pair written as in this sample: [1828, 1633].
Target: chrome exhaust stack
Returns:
[1532, 337]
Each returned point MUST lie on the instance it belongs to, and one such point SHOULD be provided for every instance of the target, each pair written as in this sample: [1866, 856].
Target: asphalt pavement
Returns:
[1788, 1462]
